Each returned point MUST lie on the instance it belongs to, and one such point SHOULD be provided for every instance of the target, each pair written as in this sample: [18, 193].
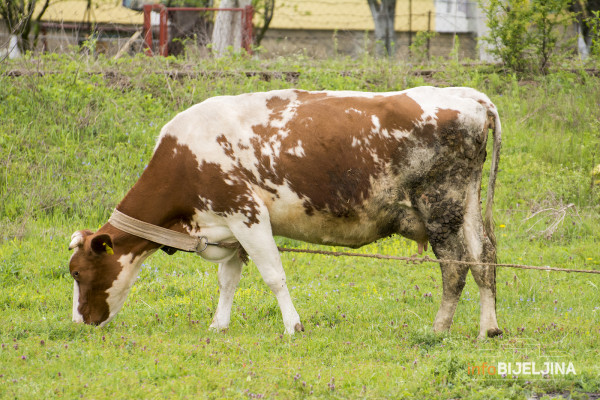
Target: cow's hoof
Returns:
[218, 328]
[299, 327]
[494, 332]
[490, 333]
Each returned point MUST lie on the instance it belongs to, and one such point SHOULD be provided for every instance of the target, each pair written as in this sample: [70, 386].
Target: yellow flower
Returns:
[589, 258]
[502, 226]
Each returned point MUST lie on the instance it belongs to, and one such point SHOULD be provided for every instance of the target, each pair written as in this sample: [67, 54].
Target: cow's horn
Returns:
[77, 239]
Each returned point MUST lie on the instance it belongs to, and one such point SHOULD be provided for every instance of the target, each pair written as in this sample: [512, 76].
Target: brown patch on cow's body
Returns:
[176, 181]
[225, 145]
[225, 194]
[277, 105]
[342, 151]
[167, 191]
[445, 116]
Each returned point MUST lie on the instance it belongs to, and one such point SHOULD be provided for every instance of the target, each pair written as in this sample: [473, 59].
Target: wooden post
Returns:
[409, 25]
[429, 35]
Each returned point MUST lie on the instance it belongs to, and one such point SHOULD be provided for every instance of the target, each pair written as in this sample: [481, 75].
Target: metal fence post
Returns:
[148, 29]
[163, 33]
[247, 14]
[247, 33]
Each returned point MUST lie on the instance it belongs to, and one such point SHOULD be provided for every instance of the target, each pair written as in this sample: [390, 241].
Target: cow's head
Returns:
[103, 274]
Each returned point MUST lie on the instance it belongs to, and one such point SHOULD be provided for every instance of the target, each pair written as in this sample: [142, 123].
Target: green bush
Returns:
[525, 34]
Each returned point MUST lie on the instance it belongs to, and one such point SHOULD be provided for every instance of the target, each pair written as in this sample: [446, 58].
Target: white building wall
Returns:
[455, 16]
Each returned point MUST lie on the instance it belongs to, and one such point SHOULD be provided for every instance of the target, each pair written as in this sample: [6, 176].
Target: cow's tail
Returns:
[494, 124]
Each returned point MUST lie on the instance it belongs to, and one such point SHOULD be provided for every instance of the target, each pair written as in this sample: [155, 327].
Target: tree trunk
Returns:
[384, 13]
[265, 9]
[584, 10]
[18, 18]
[228, 27]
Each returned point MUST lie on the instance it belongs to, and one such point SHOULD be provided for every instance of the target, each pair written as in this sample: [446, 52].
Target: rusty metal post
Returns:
[148, 29]
[163, 32]
[247, 29]
[247, 32]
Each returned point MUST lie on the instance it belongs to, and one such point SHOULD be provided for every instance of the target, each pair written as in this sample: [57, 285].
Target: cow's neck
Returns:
[152, 204]
[162, 196]
[156, 203]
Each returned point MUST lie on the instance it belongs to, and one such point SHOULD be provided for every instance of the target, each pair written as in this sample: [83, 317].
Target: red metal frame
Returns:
[247, 31]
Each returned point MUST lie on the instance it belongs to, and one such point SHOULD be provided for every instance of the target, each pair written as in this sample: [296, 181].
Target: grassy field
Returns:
[76, 132]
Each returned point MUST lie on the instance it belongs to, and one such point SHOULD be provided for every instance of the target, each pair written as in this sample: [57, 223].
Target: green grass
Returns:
[72, 143]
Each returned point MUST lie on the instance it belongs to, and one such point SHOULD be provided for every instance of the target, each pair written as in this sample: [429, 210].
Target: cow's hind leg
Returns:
[229, 275]
[443, 216]
[453, 281]
[257, 240]
[444, 213]
[485, 276]
[456, 232]
[480, 248]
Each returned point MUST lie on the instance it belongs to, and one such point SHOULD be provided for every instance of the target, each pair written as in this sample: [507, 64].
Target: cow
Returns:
[336, 168]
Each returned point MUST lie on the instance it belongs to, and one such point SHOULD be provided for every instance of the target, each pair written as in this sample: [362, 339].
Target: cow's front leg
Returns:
[229, 275]
[257, 240]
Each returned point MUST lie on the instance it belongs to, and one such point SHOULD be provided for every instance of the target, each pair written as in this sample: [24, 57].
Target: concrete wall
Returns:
[322, 44]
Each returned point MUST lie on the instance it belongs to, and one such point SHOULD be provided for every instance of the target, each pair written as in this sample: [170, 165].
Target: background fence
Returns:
[316, 28]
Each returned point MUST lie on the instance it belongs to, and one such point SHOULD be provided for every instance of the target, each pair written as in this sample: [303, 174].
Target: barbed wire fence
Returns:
[317, 27]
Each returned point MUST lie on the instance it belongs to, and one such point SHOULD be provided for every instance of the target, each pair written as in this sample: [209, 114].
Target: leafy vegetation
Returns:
[525, 35]
[77, 132]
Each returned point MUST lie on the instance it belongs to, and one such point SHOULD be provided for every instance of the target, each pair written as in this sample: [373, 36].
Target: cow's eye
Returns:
[76, 275]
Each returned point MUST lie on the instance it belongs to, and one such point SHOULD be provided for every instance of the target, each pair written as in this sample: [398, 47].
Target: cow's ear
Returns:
[102, 244]
[78, 238]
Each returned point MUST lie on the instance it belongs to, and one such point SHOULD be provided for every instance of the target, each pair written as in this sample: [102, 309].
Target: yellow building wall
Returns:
[347, 15]
[102, 11]
[289, 14]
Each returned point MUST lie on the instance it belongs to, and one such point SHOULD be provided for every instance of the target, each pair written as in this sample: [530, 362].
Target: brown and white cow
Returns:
[336, 168]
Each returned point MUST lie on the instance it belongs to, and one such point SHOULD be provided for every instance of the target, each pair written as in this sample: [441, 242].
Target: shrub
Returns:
[524, 34]
[593, 23]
